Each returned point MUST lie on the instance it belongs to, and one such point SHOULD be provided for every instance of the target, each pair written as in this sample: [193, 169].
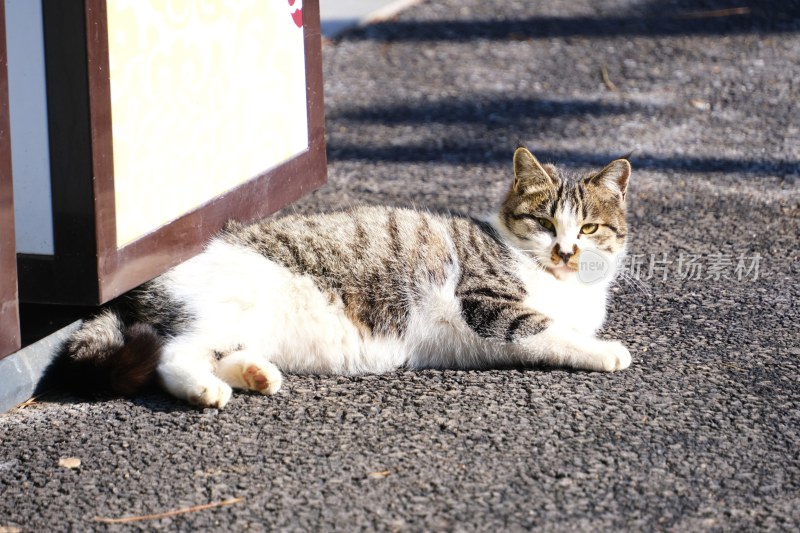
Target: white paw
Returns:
[263, 377]
[614, 356]
[245, 370]
[215, 393]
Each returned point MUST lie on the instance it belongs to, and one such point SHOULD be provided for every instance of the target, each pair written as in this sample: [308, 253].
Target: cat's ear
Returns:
[613, 177]
[528, 172]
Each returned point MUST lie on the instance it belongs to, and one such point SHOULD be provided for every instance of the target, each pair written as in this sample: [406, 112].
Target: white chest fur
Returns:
[570, 303]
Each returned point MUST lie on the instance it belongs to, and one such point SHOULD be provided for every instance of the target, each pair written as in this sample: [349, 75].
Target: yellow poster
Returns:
[205, 95]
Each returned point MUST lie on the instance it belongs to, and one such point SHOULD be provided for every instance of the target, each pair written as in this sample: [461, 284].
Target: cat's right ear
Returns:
[614, 177]
[528, 172]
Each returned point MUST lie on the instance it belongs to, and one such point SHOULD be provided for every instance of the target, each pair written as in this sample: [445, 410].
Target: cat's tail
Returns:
[107, 356]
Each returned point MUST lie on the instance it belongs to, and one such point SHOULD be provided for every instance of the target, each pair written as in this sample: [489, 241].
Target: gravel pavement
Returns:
[700, 434]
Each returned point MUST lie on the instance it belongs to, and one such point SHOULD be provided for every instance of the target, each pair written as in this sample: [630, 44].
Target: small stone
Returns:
[69, 462]
[702, 105]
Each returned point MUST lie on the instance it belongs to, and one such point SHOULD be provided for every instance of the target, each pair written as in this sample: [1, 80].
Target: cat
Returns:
[374, 289]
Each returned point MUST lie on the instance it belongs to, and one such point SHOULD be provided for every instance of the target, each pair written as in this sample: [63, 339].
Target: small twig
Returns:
[716, 13]
[29, 402]
[166, 514]
[604, 73]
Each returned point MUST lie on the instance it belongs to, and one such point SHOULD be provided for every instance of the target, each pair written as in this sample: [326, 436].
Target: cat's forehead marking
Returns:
[568, 200]
[566, 213]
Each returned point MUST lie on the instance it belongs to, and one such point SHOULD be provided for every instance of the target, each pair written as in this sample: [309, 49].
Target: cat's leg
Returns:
[248, 370]
[531, 337]
[571, 349]
[186, 371]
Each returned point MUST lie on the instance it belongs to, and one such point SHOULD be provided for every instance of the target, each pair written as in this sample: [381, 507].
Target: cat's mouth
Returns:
[561, 271]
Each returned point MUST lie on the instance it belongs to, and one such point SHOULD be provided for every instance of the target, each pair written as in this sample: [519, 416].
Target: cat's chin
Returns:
[562, 272]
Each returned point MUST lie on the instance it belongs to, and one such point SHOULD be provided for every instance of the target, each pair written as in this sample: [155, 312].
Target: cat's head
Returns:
[571, 225]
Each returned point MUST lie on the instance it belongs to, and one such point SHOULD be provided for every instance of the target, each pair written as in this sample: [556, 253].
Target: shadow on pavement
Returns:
[152, 399]
[502, 111]
[460, 152]
[653, 19]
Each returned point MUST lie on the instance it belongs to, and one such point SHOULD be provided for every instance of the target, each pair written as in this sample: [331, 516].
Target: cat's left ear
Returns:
[613, 177]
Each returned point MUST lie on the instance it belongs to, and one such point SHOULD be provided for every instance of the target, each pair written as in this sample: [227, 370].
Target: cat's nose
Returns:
[560, 253]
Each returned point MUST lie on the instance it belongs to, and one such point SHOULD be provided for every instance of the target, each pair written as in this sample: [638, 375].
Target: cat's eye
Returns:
[546, 224]
[543, 222]
[588, 229]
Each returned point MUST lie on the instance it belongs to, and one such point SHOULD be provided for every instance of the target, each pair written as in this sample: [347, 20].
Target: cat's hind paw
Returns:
[194, 385]
[214, 394]
[264, 378]
[248, 371]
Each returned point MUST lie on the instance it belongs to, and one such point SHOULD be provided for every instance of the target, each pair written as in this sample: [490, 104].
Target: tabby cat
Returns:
[373, 289]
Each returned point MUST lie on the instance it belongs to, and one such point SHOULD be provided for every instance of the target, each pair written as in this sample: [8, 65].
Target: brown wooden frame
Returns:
[87, 267]
[9, 307]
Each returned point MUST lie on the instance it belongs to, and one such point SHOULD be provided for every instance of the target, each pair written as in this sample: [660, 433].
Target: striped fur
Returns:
[373, 289]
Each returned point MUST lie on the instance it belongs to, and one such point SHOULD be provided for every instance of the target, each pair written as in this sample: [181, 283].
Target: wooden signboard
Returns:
[165, 119]
[9, 310]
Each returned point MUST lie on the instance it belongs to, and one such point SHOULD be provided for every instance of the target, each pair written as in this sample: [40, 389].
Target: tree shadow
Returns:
[654, 18]
[503, 111]
[487, 153]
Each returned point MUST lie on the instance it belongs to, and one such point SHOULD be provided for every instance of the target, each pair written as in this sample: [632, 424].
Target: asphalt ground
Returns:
[700, 434]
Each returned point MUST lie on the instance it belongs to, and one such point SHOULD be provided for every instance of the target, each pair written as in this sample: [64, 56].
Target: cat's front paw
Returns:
[614, 356]
[215, 393]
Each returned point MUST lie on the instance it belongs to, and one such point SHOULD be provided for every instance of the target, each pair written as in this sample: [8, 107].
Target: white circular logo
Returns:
[593, 266]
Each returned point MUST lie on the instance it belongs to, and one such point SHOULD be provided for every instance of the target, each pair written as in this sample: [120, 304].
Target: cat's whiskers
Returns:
[532, 255]
[635, 282]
